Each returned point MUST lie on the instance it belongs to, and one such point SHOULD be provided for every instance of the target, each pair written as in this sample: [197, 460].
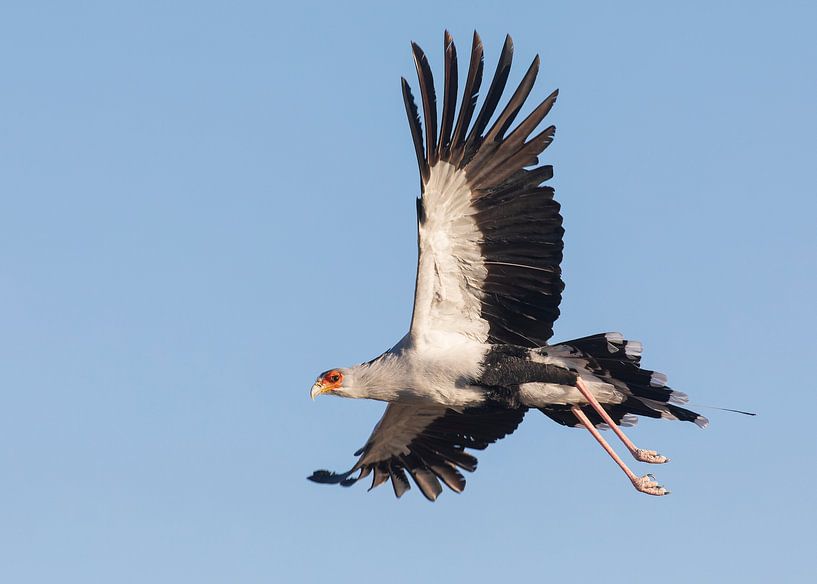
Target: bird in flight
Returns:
[476, 358]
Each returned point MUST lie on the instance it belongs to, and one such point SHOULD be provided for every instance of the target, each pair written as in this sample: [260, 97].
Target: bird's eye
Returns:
[334, 377]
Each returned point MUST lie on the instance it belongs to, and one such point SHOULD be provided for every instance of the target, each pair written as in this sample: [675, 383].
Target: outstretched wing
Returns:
[490, 235]
[427, 441]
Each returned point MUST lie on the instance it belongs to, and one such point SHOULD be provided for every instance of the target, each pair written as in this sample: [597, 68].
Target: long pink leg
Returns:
[639, 454]
[645, 484]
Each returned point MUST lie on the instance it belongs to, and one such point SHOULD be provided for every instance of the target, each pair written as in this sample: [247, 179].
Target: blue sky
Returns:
[204, 205]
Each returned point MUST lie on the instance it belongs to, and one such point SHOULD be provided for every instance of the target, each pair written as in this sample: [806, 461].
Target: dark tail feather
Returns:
[617, 360]
[563, 415]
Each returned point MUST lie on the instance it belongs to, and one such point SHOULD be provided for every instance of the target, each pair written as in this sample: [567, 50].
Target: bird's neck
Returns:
[385, 378]
[401, 376]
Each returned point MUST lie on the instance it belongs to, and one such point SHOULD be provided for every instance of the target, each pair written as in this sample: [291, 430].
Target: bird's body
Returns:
[476, 357]
[460, 374]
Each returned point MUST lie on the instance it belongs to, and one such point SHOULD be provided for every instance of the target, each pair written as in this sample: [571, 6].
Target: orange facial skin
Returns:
[332, 380]
[327, 382]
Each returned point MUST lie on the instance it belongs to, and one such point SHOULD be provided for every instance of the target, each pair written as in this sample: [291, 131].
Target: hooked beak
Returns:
[318, 389]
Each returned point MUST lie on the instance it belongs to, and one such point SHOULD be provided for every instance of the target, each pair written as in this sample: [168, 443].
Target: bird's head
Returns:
[328, 382]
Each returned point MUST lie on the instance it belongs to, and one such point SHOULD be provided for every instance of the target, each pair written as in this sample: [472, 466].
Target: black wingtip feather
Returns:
[469, 96]
[326, 477]
[449, 97]
[425, 480]
[530, 123]
[506, 118]
[429, 99]
[416, 129]
[449, 475]
[399, 482]
[379, 477]
[503, 69]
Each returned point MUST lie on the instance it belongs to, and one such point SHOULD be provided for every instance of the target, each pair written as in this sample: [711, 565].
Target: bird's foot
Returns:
[650, 456]
[647, 484]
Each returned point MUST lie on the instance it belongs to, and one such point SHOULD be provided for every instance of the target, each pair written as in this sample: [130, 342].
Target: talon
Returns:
[647, 484]
[650, 456]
